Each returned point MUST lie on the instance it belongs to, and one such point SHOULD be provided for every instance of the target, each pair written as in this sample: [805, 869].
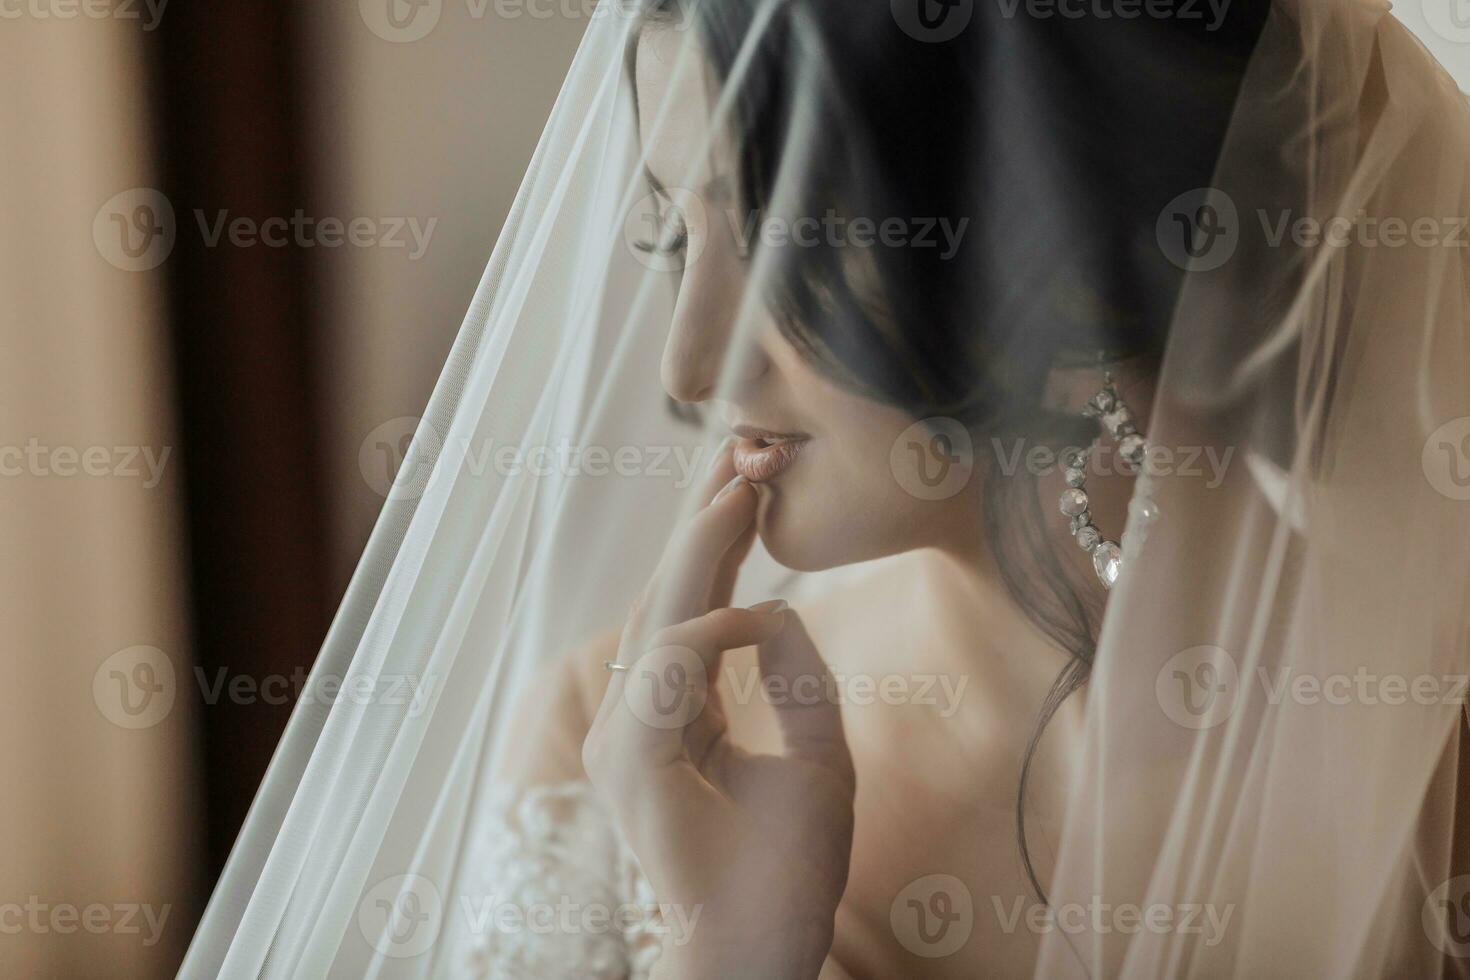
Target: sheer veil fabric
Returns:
[1273, 726]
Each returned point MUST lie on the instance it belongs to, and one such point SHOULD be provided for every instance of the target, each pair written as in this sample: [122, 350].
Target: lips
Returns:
[761, 455]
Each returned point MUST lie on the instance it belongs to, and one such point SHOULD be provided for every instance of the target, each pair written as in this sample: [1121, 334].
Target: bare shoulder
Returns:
[552, 714]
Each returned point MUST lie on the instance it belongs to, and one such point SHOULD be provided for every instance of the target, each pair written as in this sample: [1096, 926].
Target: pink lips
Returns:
[761, 456]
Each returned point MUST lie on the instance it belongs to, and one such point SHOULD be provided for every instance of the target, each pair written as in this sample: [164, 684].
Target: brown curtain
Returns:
[227, 94]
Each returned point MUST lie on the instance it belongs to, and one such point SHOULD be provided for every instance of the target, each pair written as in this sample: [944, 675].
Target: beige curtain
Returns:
[96, 812]
[436, 130]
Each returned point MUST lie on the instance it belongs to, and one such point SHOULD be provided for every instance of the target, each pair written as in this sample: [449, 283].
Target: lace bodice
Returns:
[550, 891]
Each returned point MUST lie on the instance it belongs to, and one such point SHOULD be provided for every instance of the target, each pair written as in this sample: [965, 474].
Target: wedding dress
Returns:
[537, 845]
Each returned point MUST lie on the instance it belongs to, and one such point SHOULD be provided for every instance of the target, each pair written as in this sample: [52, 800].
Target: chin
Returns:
[807, 535]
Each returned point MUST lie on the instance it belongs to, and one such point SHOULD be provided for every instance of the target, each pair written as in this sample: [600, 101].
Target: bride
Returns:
[1075, 583]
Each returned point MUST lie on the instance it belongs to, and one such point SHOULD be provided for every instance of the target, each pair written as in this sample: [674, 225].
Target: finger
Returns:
[694, 575]
[719, 630]
[647, 707]
[721, 471]
[723, 589]
[706, 733]
[663, 693]
[686, 575]
[809, 717]
[711, 636]
[658, 603]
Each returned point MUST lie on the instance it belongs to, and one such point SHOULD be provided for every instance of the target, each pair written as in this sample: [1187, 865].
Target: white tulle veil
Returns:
[1274, 710]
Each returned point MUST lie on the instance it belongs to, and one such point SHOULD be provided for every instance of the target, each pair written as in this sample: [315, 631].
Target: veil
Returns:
[1249, 763]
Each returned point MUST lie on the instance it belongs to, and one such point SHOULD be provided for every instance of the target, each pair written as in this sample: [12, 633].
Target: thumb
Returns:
[809, 715]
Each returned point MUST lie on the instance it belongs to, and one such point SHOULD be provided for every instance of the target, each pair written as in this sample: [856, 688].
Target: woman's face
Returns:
[841, 478]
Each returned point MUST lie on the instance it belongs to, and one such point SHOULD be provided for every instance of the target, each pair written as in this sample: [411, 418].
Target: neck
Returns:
[976, 626]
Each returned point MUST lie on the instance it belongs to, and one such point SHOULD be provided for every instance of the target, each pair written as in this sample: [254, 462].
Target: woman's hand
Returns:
[757, 846]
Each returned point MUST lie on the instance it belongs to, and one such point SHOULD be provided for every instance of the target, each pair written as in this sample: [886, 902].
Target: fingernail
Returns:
[727, 488]
[770, 606]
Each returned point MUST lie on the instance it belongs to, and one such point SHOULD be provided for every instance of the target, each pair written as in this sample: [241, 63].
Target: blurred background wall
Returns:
[437, 129]
[192, 356]
[99, 800]
[205, 387]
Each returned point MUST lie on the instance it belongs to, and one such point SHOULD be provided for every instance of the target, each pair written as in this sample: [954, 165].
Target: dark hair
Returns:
[1061, 140]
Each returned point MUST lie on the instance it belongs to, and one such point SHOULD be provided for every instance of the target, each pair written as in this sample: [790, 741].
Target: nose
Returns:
[703, 328]
[692, 358]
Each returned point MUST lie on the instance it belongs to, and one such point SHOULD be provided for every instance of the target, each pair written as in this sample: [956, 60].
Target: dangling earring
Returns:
[1107, 556]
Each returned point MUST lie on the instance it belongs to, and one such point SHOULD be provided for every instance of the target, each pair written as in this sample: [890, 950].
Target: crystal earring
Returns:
[1107, 556]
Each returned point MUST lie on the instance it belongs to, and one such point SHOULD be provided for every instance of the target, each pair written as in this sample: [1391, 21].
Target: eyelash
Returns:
[667, 244]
